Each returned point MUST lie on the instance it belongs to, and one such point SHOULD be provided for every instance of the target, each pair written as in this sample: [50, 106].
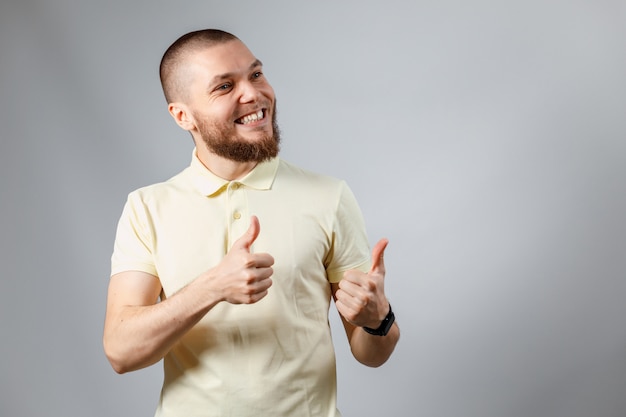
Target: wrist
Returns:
[384, 326]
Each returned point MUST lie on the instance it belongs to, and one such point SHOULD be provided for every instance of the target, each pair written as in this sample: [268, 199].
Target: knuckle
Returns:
[371, 285]
[350, 315]
[365, 299]
[248, 276]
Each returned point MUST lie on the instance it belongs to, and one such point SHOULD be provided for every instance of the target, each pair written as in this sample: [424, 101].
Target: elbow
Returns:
[118, 366]
[372, 362]
[126, 358]
[374, 351]
[115, 358]
[370, 358]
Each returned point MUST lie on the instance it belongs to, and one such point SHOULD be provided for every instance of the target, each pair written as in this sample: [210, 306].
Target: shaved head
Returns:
[171, 70]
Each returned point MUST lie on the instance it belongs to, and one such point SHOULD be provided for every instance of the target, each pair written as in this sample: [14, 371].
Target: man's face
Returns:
[232, 104]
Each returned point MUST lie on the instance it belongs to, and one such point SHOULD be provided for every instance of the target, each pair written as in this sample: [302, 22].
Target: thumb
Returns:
[378, 261]
[248, 238]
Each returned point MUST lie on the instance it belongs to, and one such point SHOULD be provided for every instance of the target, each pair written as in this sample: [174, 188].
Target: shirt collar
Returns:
[209, 184]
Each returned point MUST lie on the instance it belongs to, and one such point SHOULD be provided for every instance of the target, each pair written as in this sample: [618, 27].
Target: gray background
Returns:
[485, 139]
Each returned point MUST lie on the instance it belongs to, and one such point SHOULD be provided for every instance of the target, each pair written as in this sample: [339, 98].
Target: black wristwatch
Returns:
[385, 326]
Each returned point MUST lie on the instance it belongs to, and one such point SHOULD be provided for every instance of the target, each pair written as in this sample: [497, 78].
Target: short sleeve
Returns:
[134, 240]
[350, 248]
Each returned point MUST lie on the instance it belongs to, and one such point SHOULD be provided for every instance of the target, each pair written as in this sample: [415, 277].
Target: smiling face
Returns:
[227, 103]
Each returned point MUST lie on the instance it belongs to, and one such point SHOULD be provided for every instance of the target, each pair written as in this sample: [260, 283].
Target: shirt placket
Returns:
[238, 218]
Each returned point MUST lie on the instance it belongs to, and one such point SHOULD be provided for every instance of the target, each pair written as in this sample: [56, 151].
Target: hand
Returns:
[360, 298]
[243, 277]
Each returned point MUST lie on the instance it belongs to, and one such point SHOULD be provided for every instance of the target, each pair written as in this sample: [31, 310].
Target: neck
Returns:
[222, 167]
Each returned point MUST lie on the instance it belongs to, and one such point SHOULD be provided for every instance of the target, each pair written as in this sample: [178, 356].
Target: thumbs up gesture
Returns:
[361, 298]
[243, 277]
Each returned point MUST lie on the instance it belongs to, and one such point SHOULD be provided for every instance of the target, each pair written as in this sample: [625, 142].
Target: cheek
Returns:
[215, 119]
[267, 91]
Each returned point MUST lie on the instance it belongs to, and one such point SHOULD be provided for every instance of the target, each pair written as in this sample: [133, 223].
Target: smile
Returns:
[251, 118]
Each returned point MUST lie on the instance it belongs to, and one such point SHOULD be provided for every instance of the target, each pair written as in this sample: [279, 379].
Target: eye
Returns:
[224, 87]
[257, 74]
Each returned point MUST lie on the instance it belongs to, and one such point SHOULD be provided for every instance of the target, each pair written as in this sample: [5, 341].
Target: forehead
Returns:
[232, 58]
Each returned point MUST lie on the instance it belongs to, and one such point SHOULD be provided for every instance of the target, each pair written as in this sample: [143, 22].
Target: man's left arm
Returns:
[361, 302]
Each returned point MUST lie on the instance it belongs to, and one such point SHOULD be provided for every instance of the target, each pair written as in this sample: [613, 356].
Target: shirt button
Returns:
[237, 215]
[235, 186]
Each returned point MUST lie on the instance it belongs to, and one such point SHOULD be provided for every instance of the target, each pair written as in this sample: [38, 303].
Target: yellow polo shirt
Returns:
[272, 358]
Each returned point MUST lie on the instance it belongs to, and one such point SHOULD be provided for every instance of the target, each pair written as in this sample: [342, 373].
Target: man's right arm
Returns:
[139, 330]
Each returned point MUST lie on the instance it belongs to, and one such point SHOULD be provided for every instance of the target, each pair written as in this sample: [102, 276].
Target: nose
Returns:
[249, 93]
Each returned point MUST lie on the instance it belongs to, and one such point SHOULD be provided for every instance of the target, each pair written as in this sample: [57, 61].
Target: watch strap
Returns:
[385, 326]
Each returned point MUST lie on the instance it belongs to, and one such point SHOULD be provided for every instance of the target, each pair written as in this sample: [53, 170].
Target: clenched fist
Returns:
[243, 277]
[361, 298]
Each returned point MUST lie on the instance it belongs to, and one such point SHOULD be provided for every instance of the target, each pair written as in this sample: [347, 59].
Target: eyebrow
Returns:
[218, 78]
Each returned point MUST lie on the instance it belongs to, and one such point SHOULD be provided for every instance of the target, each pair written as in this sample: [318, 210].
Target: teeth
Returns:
[252, 117]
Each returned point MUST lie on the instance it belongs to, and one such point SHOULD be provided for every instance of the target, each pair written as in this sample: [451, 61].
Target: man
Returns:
[226, 270]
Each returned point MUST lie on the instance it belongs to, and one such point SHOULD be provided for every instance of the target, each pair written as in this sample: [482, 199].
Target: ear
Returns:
[182, 115]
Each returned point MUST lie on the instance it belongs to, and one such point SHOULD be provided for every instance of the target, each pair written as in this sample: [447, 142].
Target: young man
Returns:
[226, 270]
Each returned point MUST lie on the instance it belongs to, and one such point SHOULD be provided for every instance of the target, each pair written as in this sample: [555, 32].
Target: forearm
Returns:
[371, 350]
[137, 336]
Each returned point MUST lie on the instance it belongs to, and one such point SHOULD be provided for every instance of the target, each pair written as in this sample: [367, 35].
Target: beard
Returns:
[221, 139]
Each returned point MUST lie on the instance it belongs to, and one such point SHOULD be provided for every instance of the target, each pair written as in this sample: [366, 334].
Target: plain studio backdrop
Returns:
[485, 139]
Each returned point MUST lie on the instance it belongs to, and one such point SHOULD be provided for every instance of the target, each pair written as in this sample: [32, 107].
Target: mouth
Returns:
[252, 117]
